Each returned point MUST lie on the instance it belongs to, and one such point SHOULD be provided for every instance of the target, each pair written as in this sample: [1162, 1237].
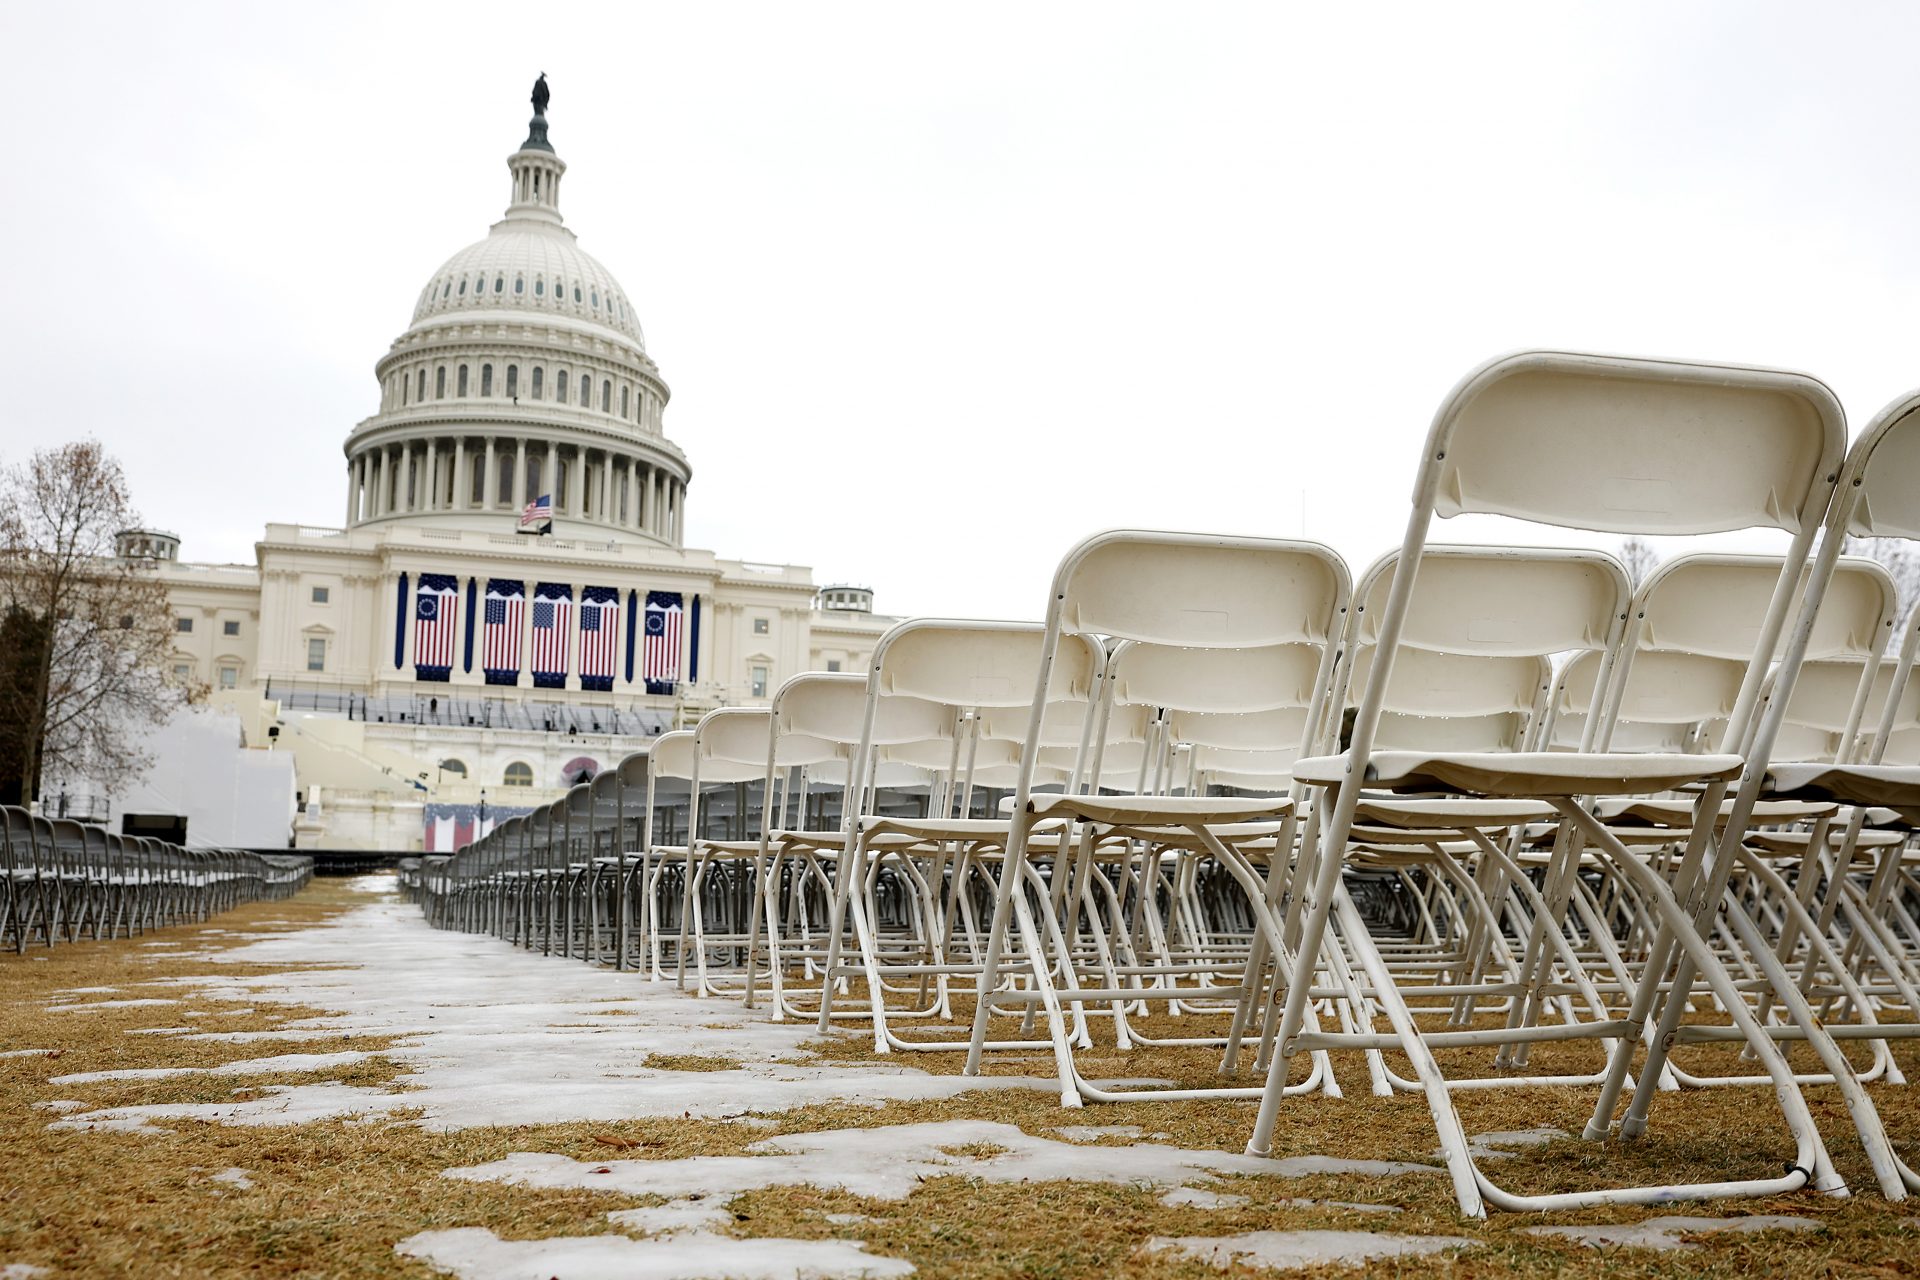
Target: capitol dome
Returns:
[523, 374]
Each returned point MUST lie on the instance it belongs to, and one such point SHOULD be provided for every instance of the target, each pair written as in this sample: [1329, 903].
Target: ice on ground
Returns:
[1094, 1132]
[474, 1253]
[237, 1178]
[387, 883]
[1493, 1146]
[26, 1053]
[675, 1215]
[1666, 1233]
[1291, 1249]
[86, 991]
[243, 1067]
[849, 1219]
[22, 1271]
[60, 1105]
[159, 1031]
[1353, 1205]
[496, 1035]
[1201, 1198]
[97, 1005]
[888, 1162]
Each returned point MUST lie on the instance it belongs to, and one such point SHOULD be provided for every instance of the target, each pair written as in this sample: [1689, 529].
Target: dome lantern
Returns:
[536, 168]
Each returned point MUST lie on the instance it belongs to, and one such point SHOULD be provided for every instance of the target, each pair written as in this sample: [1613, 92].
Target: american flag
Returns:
[599, 636]
[506, 615]
[455, 826]
[436, 613]
[538, 514]
[552, 628]
[660, 663]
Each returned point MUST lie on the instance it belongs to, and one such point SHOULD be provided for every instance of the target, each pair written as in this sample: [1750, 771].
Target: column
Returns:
[633, 493]
[462, 484]
[650, 503]
[550, 475]
[353, 465]
[490, 480]
[520, 474]
[678, 494]
[379, 493]
[430, 491]
[607, 499]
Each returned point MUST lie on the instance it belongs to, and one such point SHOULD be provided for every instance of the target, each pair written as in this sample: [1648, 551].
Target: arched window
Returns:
[533, 475]
[576, 293]
[446, 290]
[463, 288]
[623, 401]
[513, 380]
[499, 284]
[458, 768]
[505, 492]
[519, 284]
[461, 383]
[518, 775]
[596, 299]
[486, 379]
[606, 397]
[406, 387]
[440, 383]
[537, 379]
[586, 393]
[422, 394]
[539, 287]
[560, 386]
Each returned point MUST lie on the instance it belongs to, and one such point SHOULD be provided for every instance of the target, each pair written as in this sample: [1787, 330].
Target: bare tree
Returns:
[1640, 558]
[87, 635]
[1901, 557]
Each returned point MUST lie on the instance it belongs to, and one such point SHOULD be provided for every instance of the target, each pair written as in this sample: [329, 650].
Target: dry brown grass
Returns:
[331, 1198]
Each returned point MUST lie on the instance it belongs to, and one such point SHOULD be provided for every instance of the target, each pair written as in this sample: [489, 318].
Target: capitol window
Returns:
[623, 402]
[462, 382]
[486, 379]
[537, 378]
[759, 682]
[759, 626]
[519, 284]
[423, 386]
[560, 386]
[440, 383]
[513, 380]
[606, 397]
[229, 628]
[833, 664]
[182, 671]
[499, 284]
[539, 288]
[183, 624]
[576, 293]
[320, 595]
[446, 290]
[586, 393]
[596, 299]
[316, 653]
[229, 677]
[518, 775]
[463, 288]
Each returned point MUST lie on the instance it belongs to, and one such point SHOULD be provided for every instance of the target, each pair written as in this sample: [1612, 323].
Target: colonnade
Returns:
[456, 474]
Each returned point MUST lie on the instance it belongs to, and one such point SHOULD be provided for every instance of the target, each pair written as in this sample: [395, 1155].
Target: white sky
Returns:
[940, 290]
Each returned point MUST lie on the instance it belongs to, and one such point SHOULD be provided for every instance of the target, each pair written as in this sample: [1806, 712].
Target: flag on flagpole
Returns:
[506, 618]
[436, 615]
[599, 636]
[660, 660]
[538, 515]
[552, 629]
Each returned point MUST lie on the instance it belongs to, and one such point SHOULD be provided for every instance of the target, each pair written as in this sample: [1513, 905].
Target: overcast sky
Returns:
[940, 289]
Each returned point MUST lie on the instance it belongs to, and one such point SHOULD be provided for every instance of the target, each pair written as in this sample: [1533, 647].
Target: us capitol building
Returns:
[429, 668]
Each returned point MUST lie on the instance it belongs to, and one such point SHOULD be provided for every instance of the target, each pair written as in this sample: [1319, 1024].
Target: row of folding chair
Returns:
[64, 881]
[1222, 798]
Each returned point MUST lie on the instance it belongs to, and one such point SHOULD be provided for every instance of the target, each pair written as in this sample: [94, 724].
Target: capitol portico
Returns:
[428, 661]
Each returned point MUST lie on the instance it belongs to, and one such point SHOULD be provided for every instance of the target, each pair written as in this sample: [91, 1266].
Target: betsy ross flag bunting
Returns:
[538, 515]
[506, 616]
[552, 629]
[660, 655]
[436, 613]
[599, 636]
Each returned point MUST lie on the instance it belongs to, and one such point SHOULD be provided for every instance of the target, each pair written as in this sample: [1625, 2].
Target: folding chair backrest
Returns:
[1199, 591]
[979, 664]
[1500, 601]
[831, 706]
[1264, 678]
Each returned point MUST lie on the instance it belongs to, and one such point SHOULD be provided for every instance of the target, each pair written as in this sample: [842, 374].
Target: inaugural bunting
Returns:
[660, 654]
[500, 640]
[436, 616]
[599, 637]
[552, 629]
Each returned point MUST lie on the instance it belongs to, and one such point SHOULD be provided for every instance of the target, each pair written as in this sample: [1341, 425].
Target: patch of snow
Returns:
[887, 1163]
[850, 1219]
[1665, 1233]
[1493, 1146]
[25, 1053]
[474, 1253]
[1353, 1205]
[497, 1035]
[244, 1067]
[237, 1178]
[97, 1005]
[1094, 1132]
[159, 1031]
[22, 1271]
[86, 991]
[1200, 1198]
[675, 1215]
[283, 1105]
[1291, 1249]
[385, 883]
[60, 1105]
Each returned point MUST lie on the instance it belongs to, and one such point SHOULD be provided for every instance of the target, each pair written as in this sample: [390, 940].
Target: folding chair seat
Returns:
[1660, 448]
